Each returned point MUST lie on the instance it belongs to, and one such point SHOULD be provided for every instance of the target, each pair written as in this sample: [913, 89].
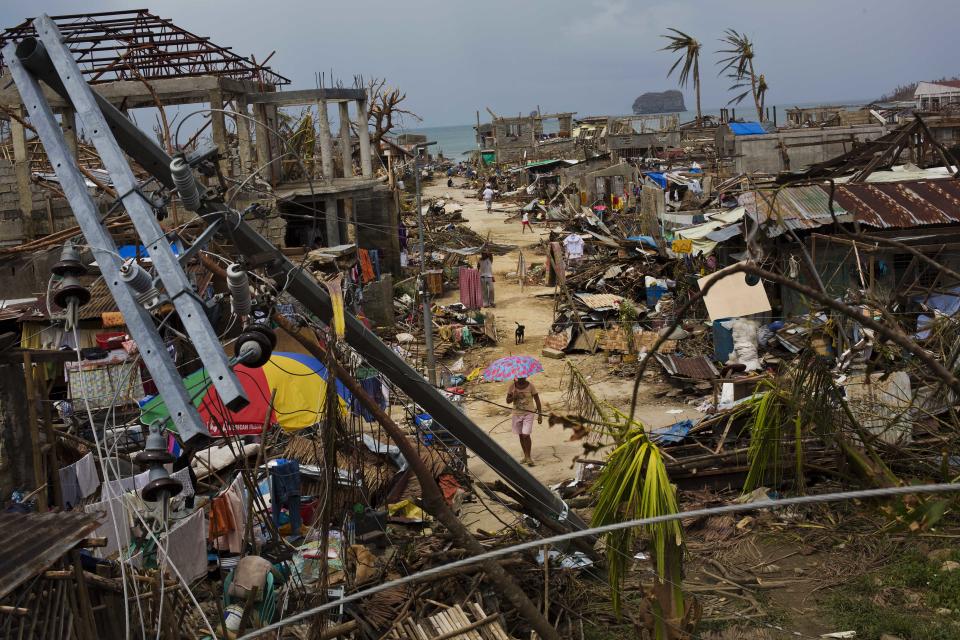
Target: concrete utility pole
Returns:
[424, 289]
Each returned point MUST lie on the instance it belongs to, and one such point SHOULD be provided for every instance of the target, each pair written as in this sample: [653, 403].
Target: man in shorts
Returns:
[523, 396]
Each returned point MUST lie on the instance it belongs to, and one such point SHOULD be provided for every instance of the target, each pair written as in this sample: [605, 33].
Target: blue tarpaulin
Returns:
[657, 177]
[672, 434]
[647, 240]
[128, 251]
[747, 128]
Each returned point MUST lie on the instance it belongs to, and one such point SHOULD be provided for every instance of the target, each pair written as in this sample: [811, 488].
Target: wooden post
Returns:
[21, 164]
[16, 465]
[53, 458]
[35, 452]
[85, 609]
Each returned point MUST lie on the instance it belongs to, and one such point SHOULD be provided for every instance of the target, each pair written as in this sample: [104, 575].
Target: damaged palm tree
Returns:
[633, 485]
[739, 67]
[689, 49]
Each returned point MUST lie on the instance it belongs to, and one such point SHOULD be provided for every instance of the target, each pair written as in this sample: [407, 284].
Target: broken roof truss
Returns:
[135, 44]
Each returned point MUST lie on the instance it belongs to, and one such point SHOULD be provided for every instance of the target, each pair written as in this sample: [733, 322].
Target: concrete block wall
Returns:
[378, 227]
[12, 227]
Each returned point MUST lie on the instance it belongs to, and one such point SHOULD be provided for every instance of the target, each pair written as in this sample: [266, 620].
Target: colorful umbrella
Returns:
[511, 368]
[301, 387]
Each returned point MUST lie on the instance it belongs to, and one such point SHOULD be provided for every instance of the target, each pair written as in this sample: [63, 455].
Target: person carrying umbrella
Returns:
[523, 396]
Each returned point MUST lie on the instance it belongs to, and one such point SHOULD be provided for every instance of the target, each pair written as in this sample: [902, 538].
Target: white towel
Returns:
[87, 477]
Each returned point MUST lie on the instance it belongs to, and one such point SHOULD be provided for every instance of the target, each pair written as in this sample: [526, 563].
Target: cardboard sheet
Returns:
[732, 297]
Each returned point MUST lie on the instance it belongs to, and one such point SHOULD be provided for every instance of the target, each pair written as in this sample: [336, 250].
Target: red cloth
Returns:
[471, 293]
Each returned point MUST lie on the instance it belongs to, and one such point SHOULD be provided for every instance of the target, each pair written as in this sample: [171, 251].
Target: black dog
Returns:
[519, 333]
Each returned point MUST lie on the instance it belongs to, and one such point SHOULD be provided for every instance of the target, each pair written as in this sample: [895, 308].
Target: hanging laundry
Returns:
[70, 486]
[186, 548]
[87, 477]
[285, 492]
[366, 267]
[573, 244]
[374, 388]
[221, 517]
[113, 525]
[471, 294]
[375, 259]
[236, 500]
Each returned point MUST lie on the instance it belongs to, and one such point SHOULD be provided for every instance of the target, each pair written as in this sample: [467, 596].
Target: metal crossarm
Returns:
[179, 289]
[152, 348]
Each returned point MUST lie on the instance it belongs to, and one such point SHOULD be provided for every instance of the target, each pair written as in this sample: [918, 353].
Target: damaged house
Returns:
[336, 198]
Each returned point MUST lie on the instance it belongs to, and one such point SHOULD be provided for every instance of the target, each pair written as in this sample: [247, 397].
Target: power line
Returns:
[594, 531]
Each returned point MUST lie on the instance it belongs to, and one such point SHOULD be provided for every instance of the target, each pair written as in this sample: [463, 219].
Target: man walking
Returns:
[485, 265]
[488, 197]
[523, 396]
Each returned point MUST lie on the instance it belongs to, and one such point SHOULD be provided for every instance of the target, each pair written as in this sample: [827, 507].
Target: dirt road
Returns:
[553, 453]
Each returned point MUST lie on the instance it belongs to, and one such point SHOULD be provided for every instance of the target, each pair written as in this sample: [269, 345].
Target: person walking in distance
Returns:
[523, 396]
[485, 265]
[488, 197]
[525, 223]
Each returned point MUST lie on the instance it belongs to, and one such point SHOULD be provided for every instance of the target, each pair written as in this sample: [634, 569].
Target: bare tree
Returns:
[383, 109]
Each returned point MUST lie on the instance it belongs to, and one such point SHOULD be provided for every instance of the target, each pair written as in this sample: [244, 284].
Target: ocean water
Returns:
[453, 141]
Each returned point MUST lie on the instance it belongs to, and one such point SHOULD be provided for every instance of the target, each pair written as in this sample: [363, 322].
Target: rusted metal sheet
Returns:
[31, 542]
[887, 205]
[699, 368]
[912, 203]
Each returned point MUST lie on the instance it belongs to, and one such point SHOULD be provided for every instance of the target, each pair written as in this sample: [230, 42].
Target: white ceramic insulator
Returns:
[186, 184]
[135, 276]
[239, 284]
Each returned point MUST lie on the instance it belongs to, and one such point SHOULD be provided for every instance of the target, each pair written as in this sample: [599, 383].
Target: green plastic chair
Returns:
[268, 603]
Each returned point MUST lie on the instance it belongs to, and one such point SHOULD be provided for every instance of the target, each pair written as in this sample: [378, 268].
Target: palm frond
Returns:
[689, 49]
[634, 484]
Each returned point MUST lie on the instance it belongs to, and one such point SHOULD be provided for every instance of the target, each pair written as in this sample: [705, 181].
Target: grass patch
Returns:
[900, 599]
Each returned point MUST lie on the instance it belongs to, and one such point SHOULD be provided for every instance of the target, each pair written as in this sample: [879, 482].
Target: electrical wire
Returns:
[596, 531]
[116, 531]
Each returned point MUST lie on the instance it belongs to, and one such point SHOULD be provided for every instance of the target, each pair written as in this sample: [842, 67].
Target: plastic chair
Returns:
[268, 604]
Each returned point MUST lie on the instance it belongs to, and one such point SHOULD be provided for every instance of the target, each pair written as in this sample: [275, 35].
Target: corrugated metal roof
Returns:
[913, 203]
[31, 542]
[600, 301]
[698, 368]
[901, 205]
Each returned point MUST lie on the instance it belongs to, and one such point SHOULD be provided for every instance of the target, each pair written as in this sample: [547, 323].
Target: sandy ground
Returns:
[553, 453]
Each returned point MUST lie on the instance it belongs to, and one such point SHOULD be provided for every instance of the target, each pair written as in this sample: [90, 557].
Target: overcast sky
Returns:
[589, 56]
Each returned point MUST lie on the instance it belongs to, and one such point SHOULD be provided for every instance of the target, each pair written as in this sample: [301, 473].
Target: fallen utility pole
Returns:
[293, 280]
[433, 502]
